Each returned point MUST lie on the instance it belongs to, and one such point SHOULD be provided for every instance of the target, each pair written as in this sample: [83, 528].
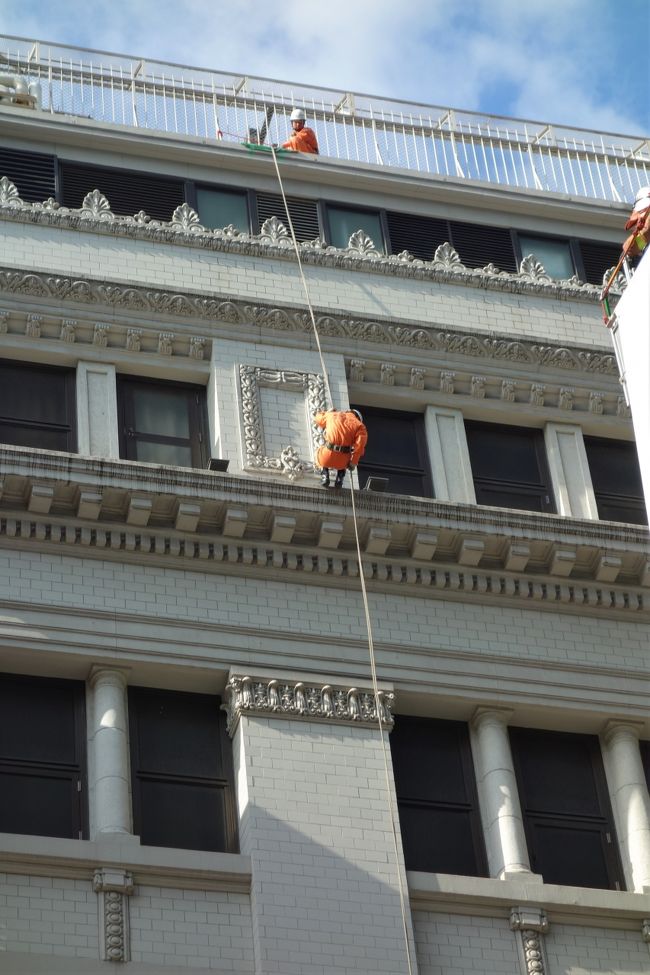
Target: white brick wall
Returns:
[454, 944]
[208, 930]
[48, 916]
[315, 823]
[189, 269]
[575, 950]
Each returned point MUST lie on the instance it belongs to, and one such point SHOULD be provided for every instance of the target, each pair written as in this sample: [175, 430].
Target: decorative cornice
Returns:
[274, 241]
[230, 311]
[309, 702]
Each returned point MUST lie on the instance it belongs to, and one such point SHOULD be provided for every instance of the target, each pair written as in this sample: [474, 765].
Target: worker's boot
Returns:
[325, 477]
[338, 483]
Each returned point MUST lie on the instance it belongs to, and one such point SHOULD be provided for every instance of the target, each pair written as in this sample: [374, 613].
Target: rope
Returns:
[366, 605]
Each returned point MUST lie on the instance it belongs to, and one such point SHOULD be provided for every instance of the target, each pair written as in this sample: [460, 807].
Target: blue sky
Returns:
[574, 62]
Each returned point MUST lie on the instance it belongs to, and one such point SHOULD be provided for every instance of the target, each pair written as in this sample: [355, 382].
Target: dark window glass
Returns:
[303, 213]
[162, 423]
[397, 450]
[220, 208]
[567, 817]
[42, 757]
[37, 406]
[344, 222]
[436, 796]
[478, 245]
[126, 190]
[420, 236]
[597, 258]
[32, 173]
[509, 466]
[553, 255]
[616, 478]
[181, 771]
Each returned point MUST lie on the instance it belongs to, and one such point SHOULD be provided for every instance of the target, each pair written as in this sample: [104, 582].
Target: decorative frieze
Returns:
[566, 398]
[113, 887]
[133, 337]
[477, 387]
[596, 402]
[197, 347]
[68, 328]
[508, 387]
[387, 374]
[33, 326]
[357, 370]
[311, 702]
[100, 334]
[416, 378]
[447, 380]
[166, 343]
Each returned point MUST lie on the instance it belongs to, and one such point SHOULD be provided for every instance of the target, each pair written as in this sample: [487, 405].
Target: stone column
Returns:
[109, 791]
[569, 469]
[315, 818]
[97, 426]
[503, 824]
[628, 792]
[449, 455]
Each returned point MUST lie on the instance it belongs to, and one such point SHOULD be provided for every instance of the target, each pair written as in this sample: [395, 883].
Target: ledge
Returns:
[158, 866]
[490, 897]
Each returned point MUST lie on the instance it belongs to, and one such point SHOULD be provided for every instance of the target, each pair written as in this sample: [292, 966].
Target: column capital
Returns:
[622, 726]
[495, 715]
[106, 674]
[528, 919]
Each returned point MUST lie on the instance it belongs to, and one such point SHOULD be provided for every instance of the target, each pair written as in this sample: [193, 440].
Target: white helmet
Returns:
[642, 199]
[358, 415]
[298, 115]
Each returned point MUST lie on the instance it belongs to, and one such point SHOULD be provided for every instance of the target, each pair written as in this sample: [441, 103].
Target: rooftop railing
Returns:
[241, 108]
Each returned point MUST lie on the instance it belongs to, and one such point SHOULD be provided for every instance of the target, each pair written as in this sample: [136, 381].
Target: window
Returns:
[344, 222]
[127, 191]
[181, 771]
[42, 757]
[554, 255]
[37, 406]
[397, 450]
[32, 173]
[219, 208]
[616, 477]
[568, 821]
[303, 213]
[162, 422]
[436, 796]
[509, 466]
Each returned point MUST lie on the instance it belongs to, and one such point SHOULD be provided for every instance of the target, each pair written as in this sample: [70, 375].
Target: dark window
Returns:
[162, 422]
[397, 450]
[598, 258]
[616, 477]
[220, 208]
[421, 236]
[37, 406]
[552, 253]
[567, 817]
[478, 245]
[304, 214]
[42, 757]
[343, 222]
[32, 173]
[509, 466]
[127, 192]
[181, 771]
[436, 796]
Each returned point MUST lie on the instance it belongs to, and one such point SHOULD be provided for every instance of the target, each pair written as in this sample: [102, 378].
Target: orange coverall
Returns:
[639, 224]
[342, 429]
[304, 140]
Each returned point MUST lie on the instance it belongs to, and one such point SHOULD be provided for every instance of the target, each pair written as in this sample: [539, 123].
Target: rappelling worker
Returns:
[303, 138]
[345, 442]
[639, 224]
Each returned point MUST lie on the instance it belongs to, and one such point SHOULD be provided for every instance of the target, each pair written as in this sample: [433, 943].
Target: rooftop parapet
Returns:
[429, 139]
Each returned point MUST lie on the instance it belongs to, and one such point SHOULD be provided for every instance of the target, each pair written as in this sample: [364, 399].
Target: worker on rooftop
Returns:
[345, 442]
[303, 138]
[639, 224]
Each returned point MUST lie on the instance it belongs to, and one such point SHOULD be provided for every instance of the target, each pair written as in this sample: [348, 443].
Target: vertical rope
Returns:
[366, 607]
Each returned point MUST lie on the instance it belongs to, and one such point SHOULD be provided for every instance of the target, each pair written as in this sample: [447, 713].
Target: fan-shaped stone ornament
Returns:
[96, 207]
[361, 243]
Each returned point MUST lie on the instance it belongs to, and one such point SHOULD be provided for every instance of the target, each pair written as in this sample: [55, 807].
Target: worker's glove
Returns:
[352, 468]
[274, 145]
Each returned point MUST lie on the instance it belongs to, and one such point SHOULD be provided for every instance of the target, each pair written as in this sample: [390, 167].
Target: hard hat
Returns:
[297, 115]
[642, 199]
[358, 415]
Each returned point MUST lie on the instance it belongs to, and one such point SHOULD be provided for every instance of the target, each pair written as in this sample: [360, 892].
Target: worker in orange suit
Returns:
[345, 443]
[303, 138]
[639, 224]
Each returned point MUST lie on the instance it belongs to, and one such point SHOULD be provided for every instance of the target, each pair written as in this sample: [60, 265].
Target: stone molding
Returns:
[308, 702]
[530, 924]
[251, 379]
[274, 240]
[113, 887]
[645, 931]
[230, 311]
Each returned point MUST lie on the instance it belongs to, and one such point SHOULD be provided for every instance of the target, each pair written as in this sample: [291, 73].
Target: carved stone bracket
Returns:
[113, 887]
[251, 378]
[531, 924]
[645, 931]
[321, 702]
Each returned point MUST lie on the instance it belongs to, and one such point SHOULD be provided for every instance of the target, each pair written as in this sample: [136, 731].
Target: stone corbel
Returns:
[113, 887]
[530, 924]
[645, 931]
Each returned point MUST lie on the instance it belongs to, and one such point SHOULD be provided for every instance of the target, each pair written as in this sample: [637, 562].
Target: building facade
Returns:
[197, 771]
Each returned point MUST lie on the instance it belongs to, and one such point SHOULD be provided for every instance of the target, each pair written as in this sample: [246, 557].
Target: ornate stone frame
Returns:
[251, 379]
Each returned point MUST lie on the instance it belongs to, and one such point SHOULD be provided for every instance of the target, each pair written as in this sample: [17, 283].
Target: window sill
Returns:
[490, 897]
[158, 866]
